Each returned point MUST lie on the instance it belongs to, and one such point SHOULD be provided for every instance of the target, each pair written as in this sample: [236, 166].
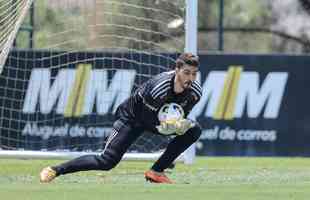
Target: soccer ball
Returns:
[170, 112]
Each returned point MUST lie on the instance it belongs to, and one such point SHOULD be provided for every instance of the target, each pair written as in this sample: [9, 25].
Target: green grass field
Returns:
[209, 178]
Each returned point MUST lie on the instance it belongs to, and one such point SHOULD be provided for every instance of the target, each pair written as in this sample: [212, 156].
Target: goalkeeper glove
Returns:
[183, 125]
[167, 127]
[178, 127]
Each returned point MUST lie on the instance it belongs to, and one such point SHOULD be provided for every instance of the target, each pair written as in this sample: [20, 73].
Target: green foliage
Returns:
[208, 13]
[243, 13]
[136, 25]
[51, 22]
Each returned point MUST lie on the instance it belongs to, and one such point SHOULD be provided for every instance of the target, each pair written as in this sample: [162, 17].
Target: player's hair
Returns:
[187, 59]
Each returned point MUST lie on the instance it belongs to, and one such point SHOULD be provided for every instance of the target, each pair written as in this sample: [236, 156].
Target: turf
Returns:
[209, 178]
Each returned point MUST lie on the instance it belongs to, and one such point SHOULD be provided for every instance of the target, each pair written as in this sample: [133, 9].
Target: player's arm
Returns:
[190, 106]
[174, 124]
[149, 101]
[153, 96]
[195, 95]
[184, 124]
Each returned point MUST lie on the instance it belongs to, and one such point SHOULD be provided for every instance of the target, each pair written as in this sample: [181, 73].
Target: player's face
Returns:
[186, 75]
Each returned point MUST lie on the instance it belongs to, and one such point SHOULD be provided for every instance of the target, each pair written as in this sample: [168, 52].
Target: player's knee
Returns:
[108, 160]
[195, 132]
[110, 165]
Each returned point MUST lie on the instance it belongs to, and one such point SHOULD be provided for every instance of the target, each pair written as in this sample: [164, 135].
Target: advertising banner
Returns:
[252, 105]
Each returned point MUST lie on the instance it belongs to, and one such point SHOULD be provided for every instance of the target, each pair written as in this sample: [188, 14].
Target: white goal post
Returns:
[67, 80]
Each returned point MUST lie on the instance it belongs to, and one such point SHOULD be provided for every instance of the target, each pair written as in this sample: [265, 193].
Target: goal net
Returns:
[58, 99]
[12, 14]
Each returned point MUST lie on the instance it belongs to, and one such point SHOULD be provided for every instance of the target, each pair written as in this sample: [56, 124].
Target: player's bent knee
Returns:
[195, 132]
[110, 165]
[108, 161]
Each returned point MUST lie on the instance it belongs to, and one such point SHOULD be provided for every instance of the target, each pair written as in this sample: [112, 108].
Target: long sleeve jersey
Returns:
[142, 107]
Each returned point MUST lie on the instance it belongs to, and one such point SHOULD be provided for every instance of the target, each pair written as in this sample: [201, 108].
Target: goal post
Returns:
[191, 33]
[57, 101]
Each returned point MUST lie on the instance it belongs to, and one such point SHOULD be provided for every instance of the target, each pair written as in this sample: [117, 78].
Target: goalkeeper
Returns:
[160, 105]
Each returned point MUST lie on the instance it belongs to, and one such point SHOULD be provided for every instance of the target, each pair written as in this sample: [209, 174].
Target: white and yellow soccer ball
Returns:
[169, 115]
[170, 112]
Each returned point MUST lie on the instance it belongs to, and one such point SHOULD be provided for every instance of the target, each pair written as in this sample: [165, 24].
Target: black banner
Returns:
[65, 101]
[252, 105]
[255, 105]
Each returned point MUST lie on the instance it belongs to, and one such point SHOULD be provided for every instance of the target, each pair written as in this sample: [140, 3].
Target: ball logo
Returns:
[171, 111]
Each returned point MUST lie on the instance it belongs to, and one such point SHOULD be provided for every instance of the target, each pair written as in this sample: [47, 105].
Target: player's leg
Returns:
[177, 146]
[122, 136]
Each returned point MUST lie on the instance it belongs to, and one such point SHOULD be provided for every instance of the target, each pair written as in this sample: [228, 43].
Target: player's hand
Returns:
[167, 127]
[178, 127]
[183, 125]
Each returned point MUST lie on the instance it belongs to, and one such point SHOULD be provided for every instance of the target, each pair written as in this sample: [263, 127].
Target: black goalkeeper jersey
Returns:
[142, 107]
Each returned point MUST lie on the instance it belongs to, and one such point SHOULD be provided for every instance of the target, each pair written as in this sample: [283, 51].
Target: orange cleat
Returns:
[157, 177]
